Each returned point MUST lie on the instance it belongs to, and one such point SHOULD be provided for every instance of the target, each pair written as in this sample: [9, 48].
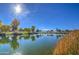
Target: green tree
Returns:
[27, 30]
[33, 29]
[20, 29]
[5, 28]
[1, 24]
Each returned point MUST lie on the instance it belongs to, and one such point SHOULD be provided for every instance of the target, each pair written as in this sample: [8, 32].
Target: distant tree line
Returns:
[13, 27]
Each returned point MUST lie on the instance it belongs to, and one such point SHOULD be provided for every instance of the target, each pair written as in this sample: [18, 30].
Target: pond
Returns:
[28, 44]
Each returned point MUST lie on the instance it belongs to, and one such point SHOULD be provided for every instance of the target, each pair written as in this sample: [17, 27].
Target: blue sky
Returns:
[43, 16]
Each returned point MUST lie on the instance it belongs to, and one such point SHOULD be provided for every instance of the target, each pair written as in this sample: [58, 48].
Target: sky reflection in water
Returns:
[27, 44]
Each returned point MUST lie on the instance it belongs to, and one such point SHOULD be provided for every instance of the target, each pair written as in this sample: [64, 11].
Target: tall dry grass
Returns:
[68, 45]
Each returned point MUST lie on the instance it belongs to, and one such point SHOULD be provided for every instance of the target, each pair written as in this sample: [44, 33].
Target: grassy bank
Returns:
[10, 33]
[68, 45]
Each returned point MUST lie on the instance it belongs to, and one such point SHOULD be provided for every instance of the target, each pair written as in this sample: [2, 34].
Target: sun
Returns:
[18, 9]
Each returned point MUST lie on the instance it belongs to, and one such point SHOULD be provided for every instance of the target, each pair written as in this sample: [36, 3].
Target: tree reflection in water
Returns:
[38, 36]
[4, 40]
[14, 43]
[58, 36]
[33, 38]
[26, 37]
[12, 39]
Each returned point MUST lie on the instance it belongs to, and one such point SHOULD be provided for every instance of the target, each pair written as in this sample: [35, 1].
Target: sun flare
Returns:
[18, 9]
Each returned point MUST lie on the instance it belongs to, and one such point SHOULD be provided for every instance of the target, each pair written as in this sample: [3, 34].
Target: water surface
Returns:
[28, 44]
